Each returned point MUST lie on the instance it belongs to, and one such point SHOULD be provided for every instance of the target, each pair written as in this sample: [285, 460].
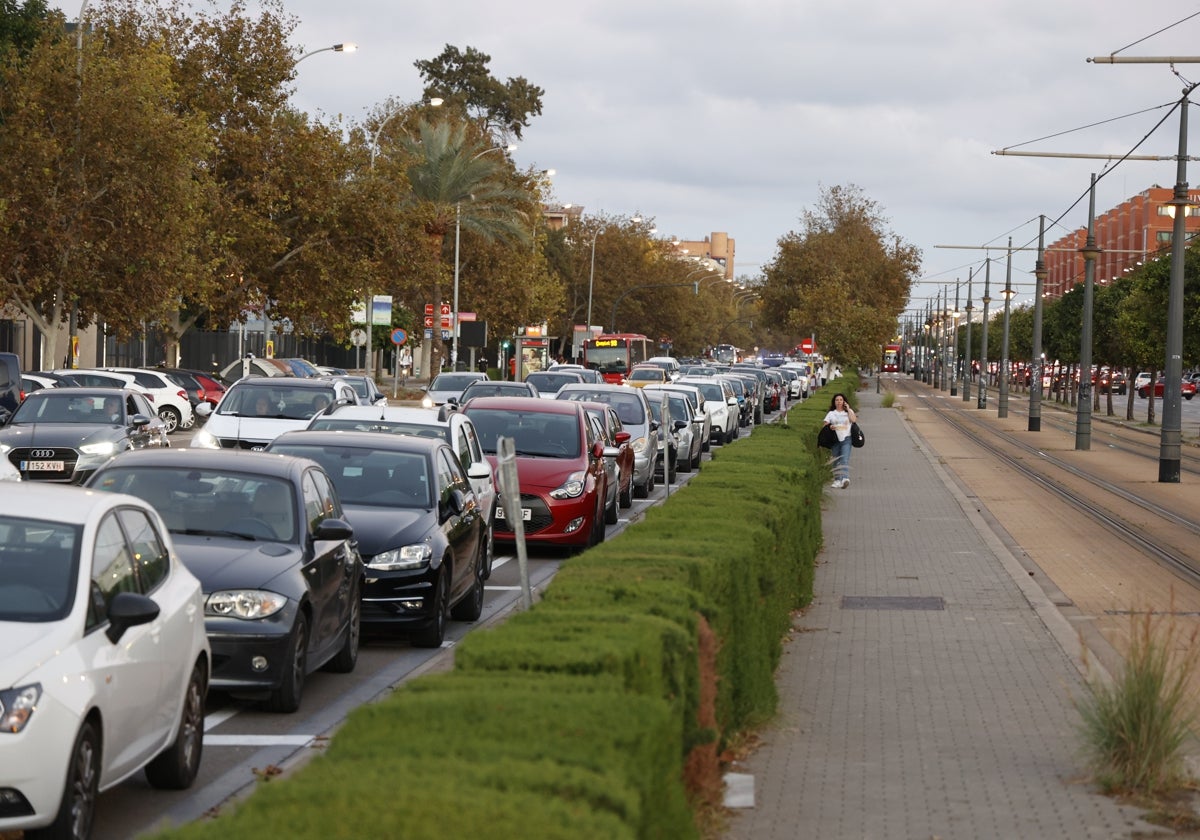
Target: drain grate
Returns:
[893, 602]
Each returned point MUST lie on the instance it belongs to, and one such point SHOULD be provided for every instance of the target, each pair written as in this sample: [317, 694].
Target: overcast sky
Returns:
[717, 116]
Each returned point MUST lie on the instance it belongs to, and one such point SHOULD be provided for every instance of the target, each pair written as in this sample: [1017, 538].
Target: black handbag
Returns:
[827, 437]
[857, 439]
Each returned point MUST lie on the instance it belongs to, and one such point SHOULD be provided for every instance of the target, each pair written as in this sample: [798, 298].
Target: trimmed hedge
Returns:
[576, 718]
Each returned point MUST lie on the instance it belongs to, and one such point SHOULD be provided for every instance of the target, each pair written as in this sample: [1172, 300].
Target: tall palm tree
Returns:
[455, 180]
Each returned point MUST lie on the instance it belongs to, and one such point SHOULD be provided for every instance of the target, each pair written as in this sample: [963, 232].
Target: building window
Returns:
[1164, 236]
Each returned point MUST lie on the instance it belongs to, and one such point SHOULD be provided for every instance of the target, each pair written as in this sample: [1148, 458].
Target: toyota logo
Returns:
[42, 453]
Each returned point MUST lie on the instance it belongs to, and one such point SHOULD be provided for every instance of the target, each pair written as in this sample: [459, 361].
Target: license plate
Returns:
[43, 466]
[526, 513]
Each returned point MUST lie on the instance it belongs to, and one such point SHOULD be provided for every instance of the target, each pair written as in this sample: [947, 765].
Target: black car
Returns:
[64, 434]
[280, 570]
[417, 522]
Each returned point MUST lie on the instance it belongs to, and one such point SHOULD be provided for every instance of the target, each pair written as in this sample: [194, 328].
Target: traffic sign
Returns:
[445, 309]
[399, 337]
[428, 320]
[429, 309]
[428, 333]
[807, 345]
[445, 335]
[358, 338]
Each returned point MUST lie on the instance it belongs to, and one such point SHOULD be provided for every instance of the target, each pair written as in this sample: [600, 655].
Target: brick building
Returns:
[1137, 229]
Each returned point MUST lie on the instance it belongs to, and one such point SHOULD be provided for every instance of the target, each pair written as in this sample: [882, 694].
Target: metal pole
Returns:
[1083, 407]
[1002, 408]
[1035, 389]
[1172, 419]
[983, 352]
[966, 395]
[954, 344]
[591, 282]
[943, 350]
[454, 322]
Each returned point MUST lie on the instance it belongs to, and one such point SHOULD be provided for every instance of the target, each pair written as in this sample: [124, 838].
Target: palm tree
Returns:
[455, 181]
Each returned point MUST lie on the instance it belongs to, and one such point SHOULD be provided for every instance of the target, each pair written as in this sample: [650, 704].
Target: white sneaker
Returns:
[837, 484]
[845, 483]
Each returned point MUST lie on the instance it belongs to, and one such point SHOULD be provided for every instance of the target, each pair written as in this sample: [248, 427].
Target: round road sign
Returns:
[358, 337]
[399, 336]
[806, 345]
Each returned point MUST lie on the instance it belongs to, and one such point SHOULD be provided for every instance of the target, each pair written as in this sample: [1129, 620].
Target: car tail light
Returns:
[182, 394]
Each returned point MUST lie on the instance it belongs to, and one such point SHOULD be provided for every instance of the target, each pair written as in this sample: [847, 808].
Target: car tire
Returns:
[175, 768]
[346, 658]
[625, 497]
[612, 512]
[287, 697]
[1188, 396]
[490, 550]
[77, 811]
[433, 635]
[696, 462]
[170, 417]
[471, 607]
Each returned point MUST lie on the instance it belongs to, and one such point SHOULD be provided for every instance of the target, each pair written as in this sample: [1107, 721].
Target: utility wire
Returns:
[1152, 34]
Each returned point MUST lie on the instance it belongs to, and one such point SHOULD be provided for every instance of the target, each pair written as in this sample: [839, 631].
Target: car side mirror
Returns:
[654, 425]
[139, 420]
[680, 424]
[598, 450]
[203, 409]
[129, 609]
[732, 401]
[479, 470]
[457, 502]
[622, 437]
[333, 529]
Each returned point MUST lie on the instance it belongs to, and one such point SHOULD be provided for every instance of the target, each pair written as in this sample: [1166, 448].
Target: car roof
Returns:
[239, 460]
[59, 502]
[275, 382]
[398, 414]
[359, 440]
[523, 404]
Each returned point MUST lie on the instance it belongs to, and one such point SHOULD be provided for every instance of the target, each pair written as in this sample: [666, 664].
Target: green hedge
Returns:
[575, 719]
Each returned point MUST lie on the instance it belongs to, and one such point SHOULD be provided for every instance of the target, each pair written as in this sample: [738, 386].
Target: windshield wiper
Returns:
[213, 532]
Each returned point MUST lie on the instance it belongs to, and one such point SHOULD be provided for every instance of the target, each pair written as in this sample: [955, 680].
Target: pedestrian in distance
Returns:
[839, 417]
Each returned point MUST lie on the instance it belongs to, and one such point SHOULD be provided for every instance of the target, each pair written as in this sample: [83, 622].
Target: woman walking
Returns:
[839, 417]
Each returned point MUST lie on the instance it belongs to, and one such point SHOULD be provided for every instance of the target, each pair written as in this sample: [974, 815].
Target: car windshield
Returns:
[346, 424]
[371, 477]
[533, 432]
[549, 383]
[497, 389]
[452, 381]
[66, 407]
[210, 502]
[646, 375]
[277, 402]
[628, 406]
[39, 564]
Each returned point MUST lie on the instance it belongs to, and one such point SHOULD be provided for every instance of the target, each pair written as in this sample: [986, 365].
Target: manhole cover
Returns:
[893, 602]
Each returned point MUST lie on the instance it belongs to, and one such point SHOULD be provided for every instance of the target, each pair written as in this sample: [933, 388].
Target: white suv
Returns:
[170, 401]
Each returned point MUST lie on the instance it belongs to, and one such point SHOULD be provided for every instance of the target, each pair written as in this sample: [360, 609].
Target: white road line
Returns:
[503, 588]
[215, 719]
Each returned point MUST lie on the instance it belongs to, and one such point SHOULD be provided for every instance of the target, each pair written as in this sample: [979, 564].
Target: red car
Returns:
[1186, 389]
[560, 466]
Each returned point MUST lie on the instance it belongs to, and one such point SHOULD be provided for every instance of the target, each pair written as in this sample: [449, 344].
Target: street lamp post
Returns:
[954, 344]
[1083, 408]
[983, 338]
[1002, 406]
[966, 395]
[1035, 384]
[349, 47]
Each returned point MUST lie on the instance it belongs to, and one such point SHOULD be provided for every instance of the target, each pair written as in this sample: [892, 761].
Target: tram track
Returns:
[1091, 494]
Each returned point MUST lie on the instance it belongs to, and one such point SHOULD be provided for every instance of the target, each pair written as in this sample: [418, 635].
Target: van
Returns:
[10, 385]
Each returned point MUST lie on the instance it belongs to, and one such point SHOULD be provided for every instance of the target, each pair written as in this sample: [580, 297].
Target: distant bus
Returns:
[891, 358]
[726, 354]
[613, 354]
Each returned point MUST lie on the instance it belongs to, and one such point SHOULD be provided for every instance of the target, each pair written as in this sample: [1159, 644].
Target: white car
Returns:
[448, 386]
[721, 404]
[170, 401]
[257, 409]
[445, 423]
[701, 421]
[104, 662]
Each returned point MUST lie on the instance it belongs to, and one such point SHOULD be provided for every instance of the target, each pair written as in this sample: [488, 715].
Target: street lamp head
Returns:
[349, 46]
[436, 101]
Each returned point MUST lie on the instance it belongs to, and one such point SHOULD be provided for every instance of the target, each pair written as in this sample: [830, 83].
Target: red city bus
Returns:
[613, 354]
[891, 358]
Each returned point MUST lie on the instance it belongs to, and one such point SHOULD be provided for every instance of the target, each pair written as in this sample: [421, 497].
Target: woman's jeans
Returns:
[841, 459]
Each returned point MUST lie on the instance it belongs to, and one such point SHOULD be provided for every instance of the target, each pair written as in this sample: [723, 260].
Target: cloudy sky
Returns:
[717, 116]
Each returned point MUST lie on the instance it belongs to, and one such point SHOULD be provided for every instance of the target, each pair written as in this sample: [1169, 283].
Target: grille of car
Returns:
[235, 443]
[539, 517]
[25, 454]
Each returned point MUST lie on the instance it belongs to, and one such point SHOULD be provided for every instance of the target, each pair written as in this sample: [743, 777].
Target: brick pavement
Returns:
[911, 722]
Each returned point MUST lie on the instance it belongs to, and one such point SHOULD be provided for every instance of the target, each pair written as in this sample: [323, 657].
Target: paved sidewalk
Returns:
[900, 719]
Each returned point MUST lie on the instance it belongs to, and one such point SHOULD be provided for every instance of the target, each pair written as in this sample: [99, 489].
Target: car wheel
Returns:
[170, 417]
[612, 512]
[625, 497]
[490, 550]
[1188, 396]
[77, 810]
[346, 658]
[696, 462]
[433, 635]
[471, 607]
[175, 768]
[1142, 393]
[287, 697]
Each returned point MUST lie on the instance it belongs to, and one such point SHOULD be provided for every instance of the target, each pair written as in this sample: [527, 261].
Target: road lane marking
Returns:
[258, 740]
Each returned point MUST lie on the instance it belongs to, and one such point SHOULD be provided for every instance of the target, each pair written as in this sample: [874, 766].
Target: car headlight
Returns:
[17, 706]
[571, 488]
[244, 603]
[5, 448]
[639, 445]
[106, 448]
[427, 401]
[405, 557]
[205, 440]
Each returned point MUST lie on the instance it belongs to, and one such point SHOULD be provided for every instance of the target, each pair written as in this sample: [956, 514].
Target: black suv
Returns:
[10, 385]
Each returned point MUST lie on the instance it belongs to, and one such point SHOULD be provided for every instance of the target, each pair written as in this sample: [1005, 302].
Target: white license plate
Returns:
[43, 466]
[526, 513]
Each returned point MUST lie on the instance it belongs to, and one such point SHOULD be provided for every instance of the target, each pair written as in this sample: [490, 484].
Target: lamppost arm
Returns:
[349, 47]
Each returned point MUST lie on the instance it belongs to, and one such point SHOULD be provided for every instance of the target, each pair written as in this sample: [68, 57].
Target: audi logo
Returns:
[41, 453]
